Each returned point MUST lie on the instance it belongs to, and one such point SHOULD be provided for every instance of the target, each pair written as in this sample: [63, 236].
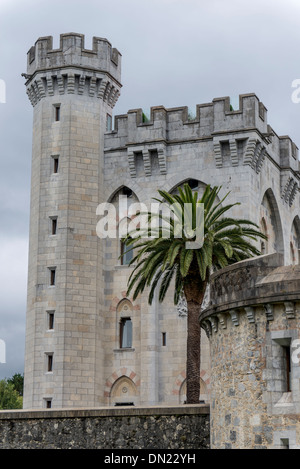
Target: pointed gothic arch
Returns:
[270, 221]
[123, 386]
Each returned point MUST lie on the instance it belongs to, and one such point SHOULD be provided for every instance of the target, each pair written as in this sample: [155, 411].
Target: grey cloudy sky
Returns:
[174, 53]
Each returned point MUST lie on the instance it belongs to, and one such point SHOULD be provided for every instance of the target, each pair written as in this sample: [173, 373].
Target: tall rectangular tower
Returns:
[72, 91]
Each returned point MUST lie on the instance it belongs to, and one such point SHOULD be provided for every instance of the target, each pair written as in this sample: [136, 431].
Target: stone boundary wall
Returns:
[177, 427]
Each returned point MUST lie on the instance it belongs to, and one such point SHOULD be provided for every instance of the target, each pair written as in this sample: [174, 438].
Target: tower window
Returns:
[50, 320]
[287, 367]
[55, 161]
[52, 271]
[163, 339]
[57, 112]
[48, 403]
[49, 363]
[108, 123]
[53, 225]
[125, 333]
[126, 255]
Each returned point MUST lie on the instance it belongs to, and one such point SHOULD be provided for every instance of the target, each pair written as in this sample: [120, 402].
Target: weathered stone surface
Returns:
[256, 358]
[137, 428]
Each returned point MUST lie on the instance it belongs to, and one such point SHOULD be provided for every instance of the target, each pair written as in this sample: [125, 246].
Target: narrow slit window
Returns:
[287, 367]
[54, 225]
[164, 339]
[55, 164]
[108, 123]
[57, 113]
[50, 320]
[49, 362]
[126, 253]
[52, 276]
[125, 333]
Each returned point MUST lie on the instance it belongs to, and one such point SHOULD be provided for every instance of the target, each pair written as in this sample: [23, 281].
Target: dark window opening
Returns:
[125, 333]
[51, 320]
[126, 191]
[48, 403]
[123, 403]
[193, 183]
[50, 362]
[287, 367]
[53, 226]
[164, 339]
[55, 164]
[285, 443]
[52, 277]
[57, 113]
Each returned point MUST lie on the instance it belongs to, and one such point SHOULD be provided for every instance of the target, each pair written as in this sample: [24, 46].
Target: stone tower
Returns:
[253, 325]
[72, 91]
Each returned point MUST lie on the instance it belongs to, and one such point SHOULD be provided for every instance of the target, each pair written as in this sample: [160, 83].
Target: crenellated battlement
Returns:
[242, 134]
[72, 69]
[212, 118]
[73, 53]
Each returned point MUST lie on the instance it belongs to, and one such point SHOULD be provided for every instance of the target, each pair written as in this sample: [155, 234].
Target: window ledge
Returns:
[124, 349]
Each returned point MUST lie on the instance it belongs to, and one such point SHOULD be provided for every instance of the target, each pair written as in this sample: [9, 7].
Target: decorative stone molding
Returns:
[269, 309]
[250, 312]
[148, 153]
[255, 154]
[289, 187]
[289, 309]
[72, 82]
[234, 316]
[223, 320]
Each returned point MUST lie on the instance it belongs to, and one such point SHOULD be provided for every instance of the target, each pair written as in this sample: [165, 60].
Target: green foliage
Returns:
[17, 380]
[145, 118]
[166, 256]
[9, 396]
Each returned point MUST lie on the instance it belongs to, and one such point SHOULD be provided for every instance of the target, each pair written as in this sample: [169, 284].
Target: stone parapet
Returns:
[241, 137]
[174, 427]
[72, 69]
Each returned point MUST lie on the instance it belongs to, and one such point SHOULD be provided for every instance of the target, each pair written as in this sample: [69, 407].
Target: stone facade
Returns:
[253, 325]
[80, 161]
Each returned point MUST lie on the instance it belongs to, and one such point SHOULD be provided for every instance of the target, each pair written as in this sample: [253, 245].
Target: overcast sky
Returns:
[174, 53]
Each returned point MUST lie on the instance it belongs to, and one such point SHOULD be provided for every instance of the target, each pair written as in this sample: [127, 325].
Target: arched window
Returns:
[271, 223]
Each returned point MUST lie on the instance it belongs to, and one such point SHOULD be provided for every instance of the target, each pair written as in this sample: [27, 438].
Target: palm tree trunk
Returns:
[193, 354]
[194, 290]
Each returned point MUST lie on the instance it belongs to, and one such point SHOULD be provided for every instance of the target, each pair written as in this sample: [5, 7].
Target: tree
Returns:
[9, 396]
[17, 380]
[175, 254]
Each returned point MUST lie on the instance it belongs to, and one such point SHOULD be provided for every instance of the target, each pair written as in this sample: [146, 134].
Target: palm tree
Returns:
[166, 256]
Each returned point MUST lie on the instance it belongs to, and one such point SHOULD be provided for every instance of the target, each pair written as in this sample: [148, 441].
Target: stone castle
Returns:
[87, 344]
